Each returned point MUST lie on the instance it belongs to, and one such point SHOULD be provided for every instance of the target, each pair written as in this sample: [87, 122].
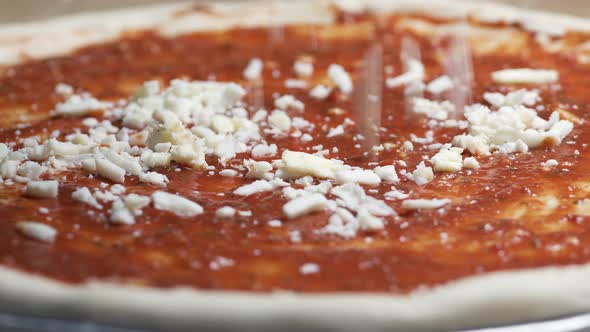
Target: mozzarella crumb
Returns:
[432, 109]
[515, 98]
[120, 214]
[253, 70]
[64, 89]
[525, 76]
[387, 173]
[309, 268]
[320, 92]
[259, 170]
[550, 163]
[304, 205]
[177, 204]
[303, 68]
[413, 75]
[154, 178]
[228, 173]
[79, 105]
[264, 150]
[255, 187]
[280, 120]
[422, 174]
[299, 164]
[37, 231]
[336, 131]
[225, 212]
[288, 101]
[471, 162]
[83, 195]
[42, 189]
[360, 176]
[107, 169]
[275, 223]
[440, 85]
[448, 159]
[414, 204]
[340, 77]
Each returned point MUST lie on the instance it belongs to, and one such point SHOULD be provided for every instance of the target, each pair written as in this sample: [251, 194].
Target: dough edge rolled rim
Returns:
[58, 36]
[475, 301]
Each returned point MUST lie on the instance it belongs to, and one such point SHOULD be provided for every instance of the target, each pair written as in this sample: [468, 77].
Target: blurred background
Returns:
[24, 10]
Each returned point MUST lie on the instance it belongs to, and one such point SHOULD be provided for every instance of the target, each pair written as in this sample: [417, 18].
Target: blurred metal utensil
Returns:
[459, 67]
[367, 98]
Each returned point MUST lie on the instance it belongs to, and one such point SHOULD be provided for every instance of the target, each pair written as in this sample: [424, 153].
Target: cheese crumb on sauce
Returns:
[42, 189]
[37, 231]
[525, 76]
[341, 78]
[304, 205]
[309, 268]
[440, 84]
[303, 68]
[177, 204]
[253, 70]
[415, 204]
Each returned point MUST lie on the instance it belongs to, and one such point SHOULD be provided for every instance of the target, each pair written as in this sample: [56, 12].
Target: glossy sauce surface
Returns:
[473, 235]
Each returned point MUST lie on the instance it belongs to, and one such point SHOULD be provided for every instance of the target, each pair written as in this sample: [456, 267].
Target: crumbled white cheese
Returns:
[228, 173]
[288, 101]
[360, 176]
[448, 159]
[387, 173]
[42, 189]
[64, 89]
[120, 214]
[255, 187]
[79, 105]
[341, 78]
[154, 178]
[510, 129]
[422, 174]
[275, 223]
[525, 76]
[336, 131]
[225, 212]
[471, 162]
[320, 92]
[264, 150]
[550, 163]
[432, 109]
[413, 74]
[304, 205]
[440, 84]
[303, 68]
[259, 170]
[414, 204]
[253, 70]
[135, 203]
[177, 204]
[109, 170]
[37, 231]
[280, 120]
[515, 98]
[309, 268]
[299, 164]
[83, 195]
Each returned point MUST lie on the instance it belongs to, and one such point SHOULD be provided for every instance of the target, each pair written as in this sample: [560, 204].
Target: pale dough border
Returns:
[487, 299]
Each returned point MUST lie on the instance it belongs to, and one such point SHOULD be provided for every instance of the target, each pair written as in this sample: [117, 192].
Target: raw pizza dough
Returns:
[489, 299]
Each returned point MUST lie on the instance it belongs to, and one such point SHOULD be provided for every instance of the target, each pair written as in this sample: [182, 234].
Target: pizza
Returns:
[400, 165]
